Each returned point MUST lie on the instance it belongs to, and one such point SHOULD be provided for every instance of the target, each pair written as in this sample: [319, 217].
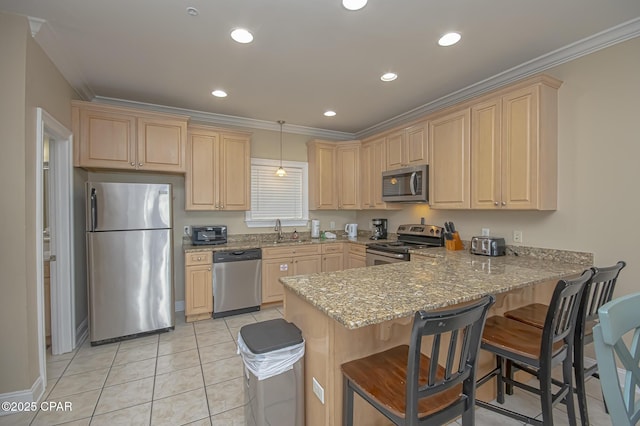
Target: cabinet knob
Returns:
[221, 206]
[140, 164]
[504, 203]
[199, 258]
[208, 269]
[495, 203]
[133, 164]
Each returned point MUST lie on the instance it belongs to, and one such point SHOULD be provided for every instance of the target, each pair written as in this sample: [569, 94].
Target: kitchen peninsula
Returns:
[349, 314]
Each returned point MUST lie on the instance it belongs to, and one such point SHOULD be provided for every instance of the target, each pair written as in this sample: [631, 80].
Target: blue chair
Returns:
[617, 318]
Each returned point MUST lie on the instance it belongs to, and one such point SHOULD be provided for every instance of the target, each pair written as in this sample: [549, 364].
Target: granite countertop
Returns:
[434, 278]
[243, 245]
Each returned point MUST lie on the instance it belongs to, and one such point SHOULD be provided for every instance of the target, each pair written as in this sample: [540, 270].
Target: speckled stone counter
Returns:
[433, 279]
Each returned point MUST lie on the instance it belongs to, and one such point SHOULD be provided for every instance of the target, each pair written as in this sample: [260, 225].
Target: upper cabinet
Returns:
[449, 149]
[407, 147]
[334, 175]
[218, 170]
[111, 137]
[498, 151]
[373, 156]
[514, 149]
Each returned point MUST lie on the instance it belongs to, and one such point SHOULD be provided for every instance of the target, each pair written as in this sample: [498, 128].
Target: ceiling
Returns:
[309, 56]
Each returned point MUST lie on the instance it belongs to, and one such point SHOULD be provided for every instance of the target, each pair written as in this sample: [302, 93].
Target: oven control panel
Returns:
[421, 230]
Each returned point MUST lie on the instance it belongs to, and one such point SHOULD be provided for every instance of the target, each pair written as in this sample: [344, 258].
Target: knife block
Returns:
[455, 244]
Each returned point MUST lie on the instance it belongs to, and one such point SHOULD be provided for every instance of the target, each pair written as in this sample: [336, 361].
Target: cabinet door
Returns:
[201, 168]
[355, 261]
[107, 139]
[161, 144]
[272, 270]
[485, 155]
[417, 147]
[303, 265]
[348, 159]
[520, 149]
[449, 150]
[366, 176]
[396, 150]
[198, 291]
[332, 262]
[235, 172]
[322, 177]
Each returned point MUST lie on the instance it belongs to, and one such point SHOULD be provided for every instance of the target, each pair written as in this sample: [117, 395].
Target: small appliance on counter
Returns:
[351, 229]
[488, 246]
[379, 231]
[208, 235]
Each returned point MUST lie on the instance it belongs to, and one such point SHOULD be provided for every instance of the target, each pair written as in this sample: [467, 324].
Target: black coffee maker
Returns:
[379, 229]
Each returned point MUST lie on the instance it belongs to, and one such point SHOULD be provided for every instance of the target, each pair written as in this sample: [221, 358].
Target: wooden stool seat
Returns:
[516, 337]
[533, 314]
[383, 376]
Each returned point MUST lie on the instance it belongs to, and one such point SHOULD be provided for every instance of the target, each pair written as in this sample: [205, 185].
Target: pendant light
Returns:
[281, 172]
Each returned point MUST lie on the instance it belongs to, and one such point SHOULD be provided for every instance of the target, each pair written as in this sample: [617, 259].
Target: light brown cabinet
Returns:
[334, 175]
[356, 256]
[407, 147]
[449, 151]
[198, 286]
[514, 149]
[218, 170]
[111, 137]
[332, 257]
[286, 261]
[373, 157]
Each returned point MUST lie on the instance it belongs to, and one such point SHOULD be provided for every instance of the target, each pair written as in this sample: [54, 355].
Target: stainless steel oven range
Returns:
[409, 237]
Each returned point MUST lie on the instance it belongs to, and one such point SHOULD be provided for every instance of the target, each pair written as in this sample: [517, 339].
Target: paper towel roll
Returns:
[315, 228]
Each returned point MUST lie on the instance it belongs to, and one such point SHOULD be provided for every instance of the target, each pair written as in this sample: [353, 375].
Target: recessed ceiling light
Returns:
[241, 35]
[192, 11]
[354, 4]
[389, 76]
[330, 113]
[219, 93]
[449, 39]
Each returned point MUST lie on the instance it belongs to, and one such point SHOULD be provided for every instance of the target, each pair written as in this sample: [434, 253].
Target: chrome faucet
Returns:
[278, 229]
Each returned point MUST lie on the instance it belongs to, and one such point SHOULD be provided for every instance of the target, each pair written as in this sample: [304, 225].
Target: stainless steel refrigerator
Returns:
[129, 259]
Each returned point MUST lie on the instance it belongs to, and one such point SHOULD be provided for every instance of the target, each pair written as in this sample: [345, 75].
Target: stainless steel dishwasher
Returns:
[237, 286]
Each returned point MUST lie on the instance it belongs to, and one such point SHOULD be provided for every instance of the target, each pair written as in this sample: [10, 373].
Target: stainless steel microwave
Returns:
[408, 185]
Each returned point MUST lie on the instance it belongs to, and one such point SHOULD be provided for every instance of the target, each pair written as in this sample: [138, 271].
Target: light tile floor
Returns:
[188, 376]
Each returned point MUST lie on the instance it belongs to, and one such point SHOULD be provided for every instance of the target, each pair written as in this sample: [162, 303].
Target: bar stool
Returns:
[537, 351]
[410, 388]
[596, 293]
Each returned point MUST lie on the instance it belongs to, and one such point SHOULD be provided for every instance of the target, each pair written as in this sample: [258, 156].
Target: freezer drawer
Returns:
[130, 282]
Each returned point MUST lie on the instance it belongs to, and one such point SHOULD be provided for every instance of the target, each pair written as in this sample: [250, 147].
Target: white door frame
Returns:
[62, 269]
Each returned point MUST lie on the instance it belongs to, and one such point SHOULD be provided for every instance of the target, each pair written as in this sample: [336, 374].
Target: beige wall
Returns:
[29, 80]
[264, 144]
[598, 171]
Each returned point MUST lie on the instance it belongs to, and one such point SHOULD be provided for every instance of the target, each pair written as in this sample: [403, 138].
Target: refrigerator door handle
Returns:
[94, 210]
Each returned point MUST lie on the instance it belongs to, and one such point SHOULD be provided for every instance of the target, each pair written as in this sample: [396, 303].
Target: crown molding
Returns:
[209, 118]
[598, 41]
[34, 25]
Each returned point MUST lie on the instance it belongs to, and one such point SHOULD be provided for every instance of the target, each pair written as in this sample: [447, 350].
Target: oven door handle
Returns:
[386, 254]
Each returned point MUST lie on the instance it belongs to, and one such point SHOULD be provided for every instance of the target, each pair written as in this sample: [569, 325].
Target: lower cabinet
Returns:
[332, 257]
[286, 261]
[356, 256]
[198, 286]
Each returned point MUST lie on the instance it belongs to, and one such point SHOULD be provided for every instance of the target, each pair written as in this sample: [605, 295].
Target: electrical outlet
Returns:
[318, 390]
[517, 237]
[187, 230]
[485, 232]
[332, 225]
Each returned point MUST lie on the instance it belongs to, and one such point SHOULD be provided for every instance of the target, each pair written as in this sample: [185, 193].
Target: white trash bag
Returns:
[272, 363]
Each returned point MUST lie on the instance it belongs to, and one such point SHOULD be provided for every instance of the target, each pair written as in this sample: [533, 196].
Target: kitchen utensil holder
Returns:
[455, 244]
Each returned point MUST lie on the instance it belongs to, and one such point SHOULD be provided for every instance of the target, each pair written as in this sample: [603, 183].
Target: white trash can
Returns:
[273, 356]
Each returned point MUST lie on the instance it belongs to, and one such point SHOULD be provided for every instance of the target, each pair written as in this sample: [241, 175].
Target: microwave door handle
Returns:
[412, 183]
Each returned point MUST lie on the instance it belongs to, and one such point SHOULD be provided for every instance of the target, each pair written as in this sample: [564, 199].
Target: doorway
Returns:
[55, 235]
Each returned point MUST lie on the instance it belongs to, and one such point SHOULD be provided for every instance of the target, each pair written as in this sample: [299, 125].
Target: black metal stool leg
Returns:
[347, 404]
[500, 365]
[578, 367]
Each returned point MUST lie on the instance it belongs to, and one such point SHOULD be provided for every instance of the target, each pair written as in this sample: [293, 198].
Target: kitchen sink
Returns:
[290, 241]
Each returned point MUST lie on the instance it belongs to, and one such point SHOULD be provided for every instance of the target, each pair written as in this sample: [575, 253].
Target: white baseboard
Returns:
[30, 395]
[179, 305]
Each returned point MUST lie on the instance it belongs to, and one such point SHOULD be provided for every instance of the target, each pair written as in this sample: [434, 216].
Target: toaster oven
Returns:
[488, 246]
[208, 235]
